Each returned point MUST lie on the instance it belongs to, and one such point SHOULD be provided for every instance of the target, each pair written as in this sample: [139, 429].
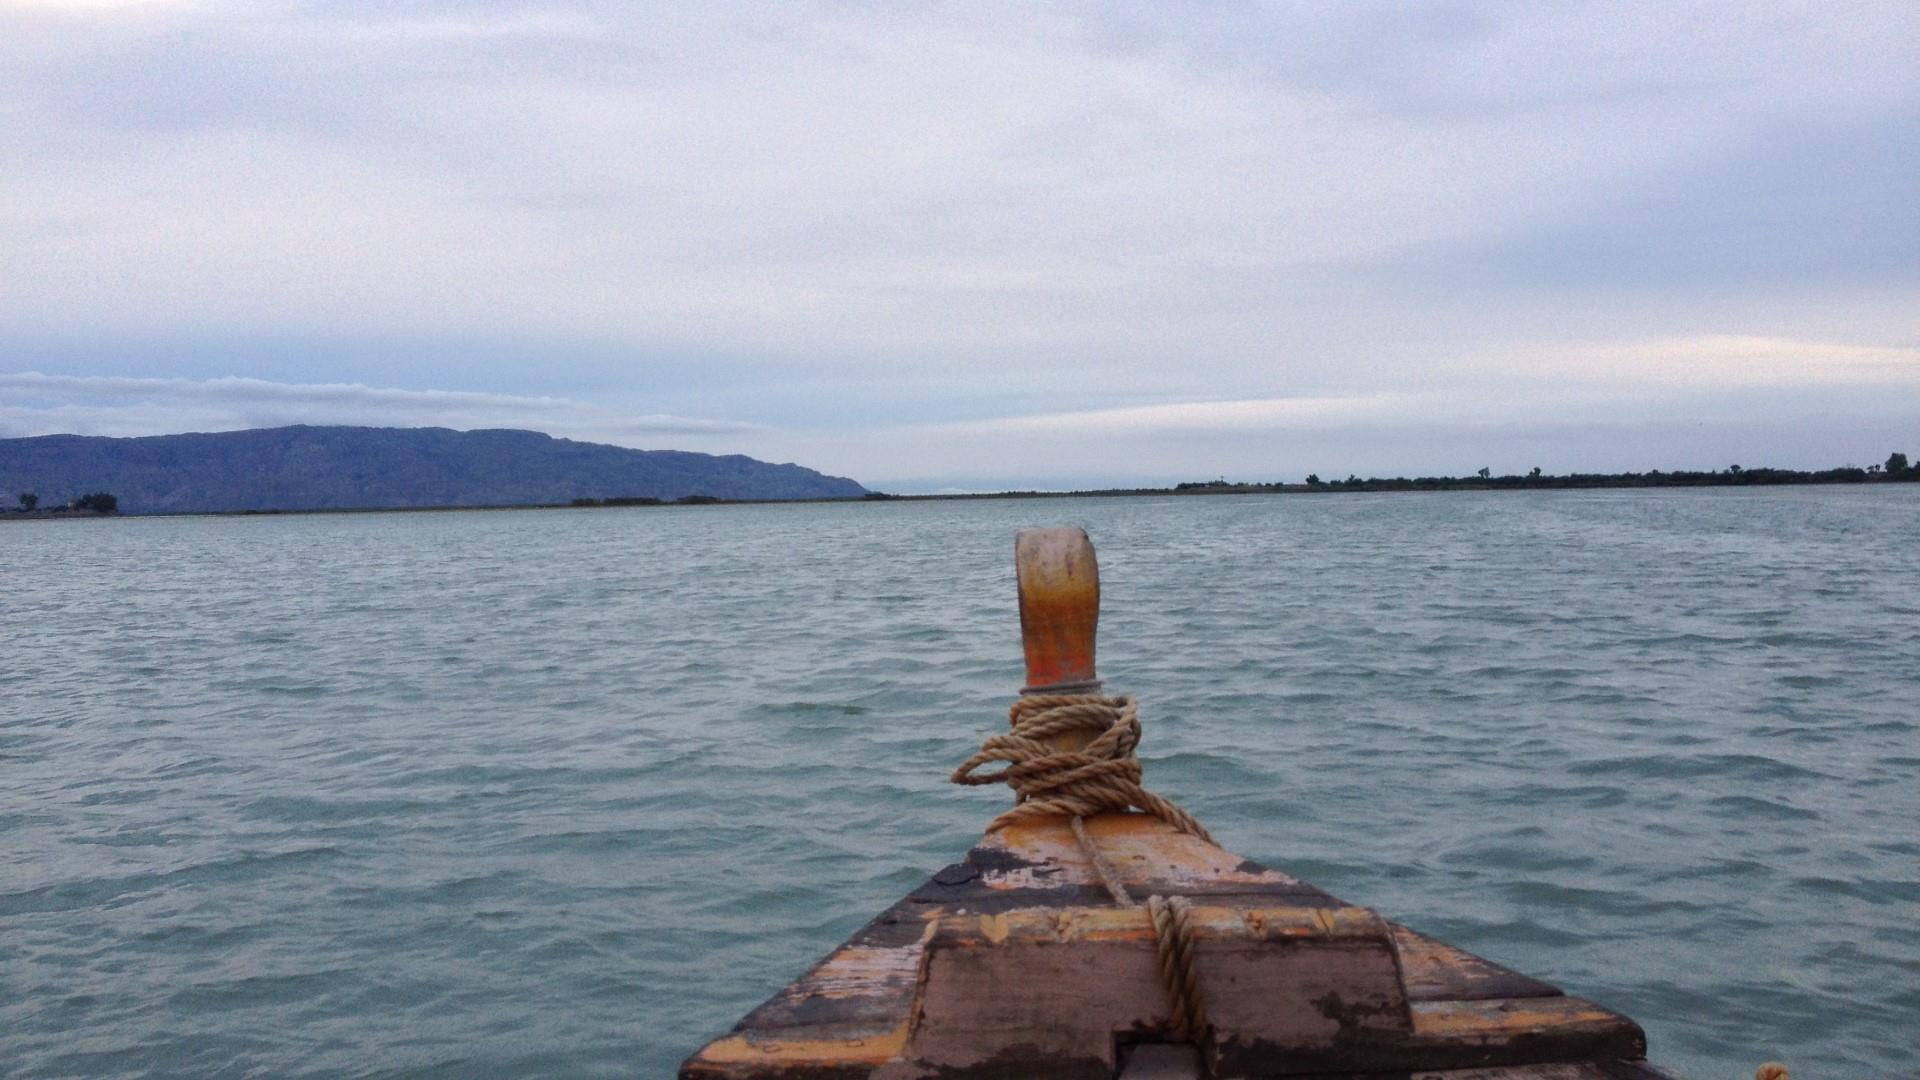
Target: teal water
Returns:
[563, 793]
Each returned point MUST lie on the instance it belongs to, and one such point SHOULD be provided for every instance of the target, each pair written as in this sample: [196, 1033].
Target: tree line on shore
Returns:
[1896, 469]
[95, 502]
[647, 500]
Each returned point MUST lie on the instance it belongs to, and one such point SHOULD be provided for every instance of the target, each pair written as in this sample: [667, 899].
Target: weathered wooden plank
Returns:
[855, 1010]
[1437, 971]
[779, 1055]
[1041, 865]
[1589, 1070]
[1578, 1070]
[1030, 991]
[1148, 854]
[1635, 1070]
[1581, 1070]
[1556, 1071]
[864, 986]
[1162, 1061]
[1521, 1031]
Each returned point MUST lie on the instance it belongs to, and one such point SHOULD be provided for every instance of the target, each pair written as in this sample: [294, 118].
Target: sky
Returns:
[973, 246]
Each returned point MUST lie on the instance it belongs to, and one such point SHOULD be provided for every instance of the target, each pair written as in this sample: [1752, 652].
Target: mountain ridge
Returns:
[310, 467]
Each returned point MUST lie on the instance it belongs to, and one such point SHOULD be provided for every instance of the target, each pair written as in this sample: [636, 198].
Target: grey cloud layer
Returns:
[1745, 397]
[924, 212]
[33, 403]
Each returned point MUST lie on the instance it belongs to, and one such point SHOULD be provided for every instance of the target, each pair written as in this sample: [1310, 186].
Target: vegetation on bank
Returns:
[648, 500]
[1896, 469]
[96, 503]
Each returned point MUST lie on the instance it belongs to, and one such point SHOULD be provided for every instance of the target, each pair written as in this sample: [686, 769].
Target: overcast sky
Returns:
[970, 245]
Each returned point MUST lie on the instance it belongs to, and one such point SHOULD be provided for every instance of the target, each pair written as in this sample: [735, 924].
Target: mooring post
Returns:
[1059, 619]
[1059, 609]
[1059, 615]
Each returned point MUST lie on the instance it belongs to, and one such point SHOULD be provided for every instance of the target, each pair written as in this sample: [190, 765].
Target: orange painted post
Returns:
[1059, 609]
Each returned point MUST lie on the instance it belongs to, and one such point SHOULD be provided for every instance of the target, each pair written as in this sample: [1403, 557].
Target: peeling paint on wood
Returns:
[1437, 971]
[881, 1007]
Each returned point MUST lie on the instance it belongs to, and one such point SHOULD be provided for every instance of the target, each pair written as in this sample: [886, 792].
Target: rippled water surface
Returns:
[566, 792]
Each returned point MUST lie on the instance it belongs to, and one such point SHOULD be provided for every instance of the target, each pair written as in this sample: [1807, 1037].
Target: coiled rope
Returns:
[1102, 776]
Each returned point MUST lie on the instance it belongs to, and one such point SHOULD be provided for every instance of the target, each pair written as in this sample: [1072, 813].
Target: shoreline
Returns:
[1352, 485]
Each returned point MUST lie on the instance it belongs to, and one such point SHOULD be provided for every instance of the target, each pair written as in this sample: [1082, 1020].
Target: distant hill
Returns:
[339, 468]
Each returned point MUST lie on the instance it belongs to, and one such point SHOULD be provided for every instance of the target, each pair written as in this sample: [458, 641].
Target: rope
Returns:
[1173, 937]
[1102, 776]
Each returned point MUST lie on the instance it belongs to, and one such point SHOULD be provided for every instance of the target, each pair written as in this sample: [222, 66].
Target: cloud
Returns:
[1660, 403]
[1735, 363]
[1531, 385]
[1199, 417]
[1768, 217]
[94, 7]
[1177, 221]
[1663, 403]
[839, 179]
[39, 404]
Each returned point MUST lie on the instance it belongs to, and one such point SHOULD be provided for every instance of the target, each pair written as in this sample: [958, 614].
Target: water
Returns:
[566, 792]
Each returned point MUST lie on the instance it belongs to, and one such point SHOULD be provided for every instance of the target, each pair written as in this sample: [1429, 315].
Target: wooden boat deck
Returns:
[1018, 962]
[864, 1010]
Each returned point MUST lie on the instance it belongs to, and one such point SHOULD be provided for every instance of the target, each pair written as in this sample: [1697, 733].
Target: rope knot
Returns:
[1103, 775]
[1100, 776]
